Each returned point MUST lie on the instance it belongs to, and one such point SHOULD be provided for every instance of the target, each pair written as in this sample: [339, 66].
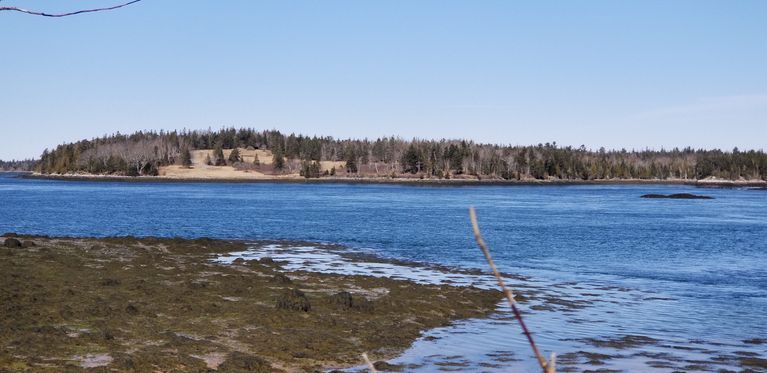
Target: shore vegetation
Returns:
[146, 153]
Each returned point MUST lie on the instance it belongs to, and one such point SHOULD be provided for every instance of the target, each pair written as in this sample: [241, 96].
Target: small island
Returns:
[248, 154]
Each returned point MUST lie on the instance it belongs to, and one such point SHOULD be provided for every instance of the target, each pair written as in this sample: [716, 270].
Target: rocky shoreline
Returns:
[705, 183]
[149, 304]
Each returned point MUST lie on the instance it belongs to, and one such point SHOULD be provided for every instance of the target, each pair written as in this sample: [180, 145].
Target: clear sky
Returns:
[600, 73]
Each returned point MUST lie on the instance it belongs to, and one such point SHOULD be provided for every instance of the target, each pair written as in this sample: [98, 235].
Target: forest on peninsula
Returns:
[145, 152]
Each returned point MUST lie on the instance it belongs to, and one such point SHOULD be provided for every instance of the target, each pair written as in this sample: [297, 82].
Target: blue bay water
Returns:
[707, 256]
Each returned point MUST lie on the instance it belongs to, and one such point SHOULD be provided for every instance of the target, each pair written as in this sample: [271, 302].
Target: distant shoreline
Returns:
[718, 183]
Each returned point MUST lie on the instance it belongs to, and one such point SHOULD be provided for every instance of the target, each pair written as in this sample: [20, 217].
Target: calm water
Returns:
[688, 273]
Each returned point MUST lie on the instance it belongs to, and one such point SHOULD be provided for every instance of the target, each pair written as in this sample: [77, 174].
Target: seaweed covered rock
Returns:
[342, 300]
[241, 362]
[383, 366]
[293, 300]
[131, 309]
[281, 279]
[110, 282]
[676, 196]
[346, 301]
[12, 243]
[27, 244]
[266, 260]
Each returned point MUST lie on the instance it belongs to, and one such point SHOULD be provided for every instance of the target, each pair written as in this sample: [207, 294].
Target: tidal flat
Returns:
[149, 304]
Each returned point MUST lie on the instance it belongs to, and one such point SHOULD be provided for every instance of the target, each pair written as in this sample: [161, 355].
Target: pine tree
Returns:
[255, 159]
[234, 156]
[207, 160]
[186, 157]
[279, 160]
[411, 161]
[218, 154]
[310, 169]
[351, 161]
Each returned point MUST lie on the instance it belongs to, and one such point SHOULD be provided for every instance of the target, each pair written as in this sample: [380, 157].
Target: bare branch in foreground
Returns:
[548, 367]
[368, 362]
[36, 13]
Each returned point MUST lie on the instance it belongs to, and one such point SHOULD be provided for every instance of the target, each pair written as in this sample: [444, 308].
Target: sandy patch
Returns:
[327, 165]
[212, 360]
[248, 156]
[94, 360]
[210, 172]
[200, 170]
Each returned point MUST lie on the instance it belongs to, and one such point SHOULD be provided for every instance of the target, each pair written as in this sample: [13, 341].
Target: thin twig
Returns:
[36, 13]
[548, 367]
[368, 362]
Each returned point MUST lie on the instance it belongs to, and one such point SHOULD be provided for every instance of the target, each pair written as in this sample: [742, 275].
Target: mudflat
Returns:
[161, 304]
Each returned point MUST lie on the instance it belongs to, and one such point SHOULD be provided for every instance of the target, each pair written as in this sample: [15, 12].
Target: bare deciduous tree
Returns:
[56, 15]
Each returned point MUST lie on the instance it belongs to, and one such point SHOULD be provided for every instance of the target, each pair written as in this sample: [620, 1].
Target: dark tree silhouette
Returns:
[279, 160]
[186, 157]
[218, 153]
[234, 156]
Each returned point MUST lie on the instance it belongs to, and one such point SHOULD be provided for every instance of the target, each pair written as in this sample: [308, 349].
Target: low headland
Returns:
[246, 177]
[154, 304]
[251, 155]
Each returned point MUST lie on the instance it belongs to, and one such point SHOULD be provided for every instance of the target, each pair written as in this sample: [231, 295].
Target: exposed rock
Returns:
[266, 260]
[342, 300]
[10, 234]
[383, 366]
[110, 282]
[346, 301]
[239, 261]
[27, 244]
[131, 309]
[281, 279]
[676, 196]
[294, 300]
[198, 284]
[755, 341]
[623, 342]
[241, 362]
[12, 243]
[175, 289]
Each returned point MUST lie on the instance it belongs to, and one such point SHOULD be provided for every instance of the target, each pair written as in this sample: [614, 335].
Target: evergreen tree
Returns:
[255, 159]
[351, 161]
[234, 156]
[218, 155]
[279, 160]
[411, 161]
[207, 160]
[186, 157]
[310, 169]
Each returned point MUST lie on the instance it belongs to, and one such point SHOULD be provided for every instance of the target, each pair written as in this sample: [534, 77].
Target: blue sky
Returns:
[600, 73]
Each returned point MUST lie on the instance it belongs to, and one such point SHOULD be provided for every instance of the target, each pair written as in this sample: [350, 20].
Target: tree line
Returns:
[143, 153]
[14, 165]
